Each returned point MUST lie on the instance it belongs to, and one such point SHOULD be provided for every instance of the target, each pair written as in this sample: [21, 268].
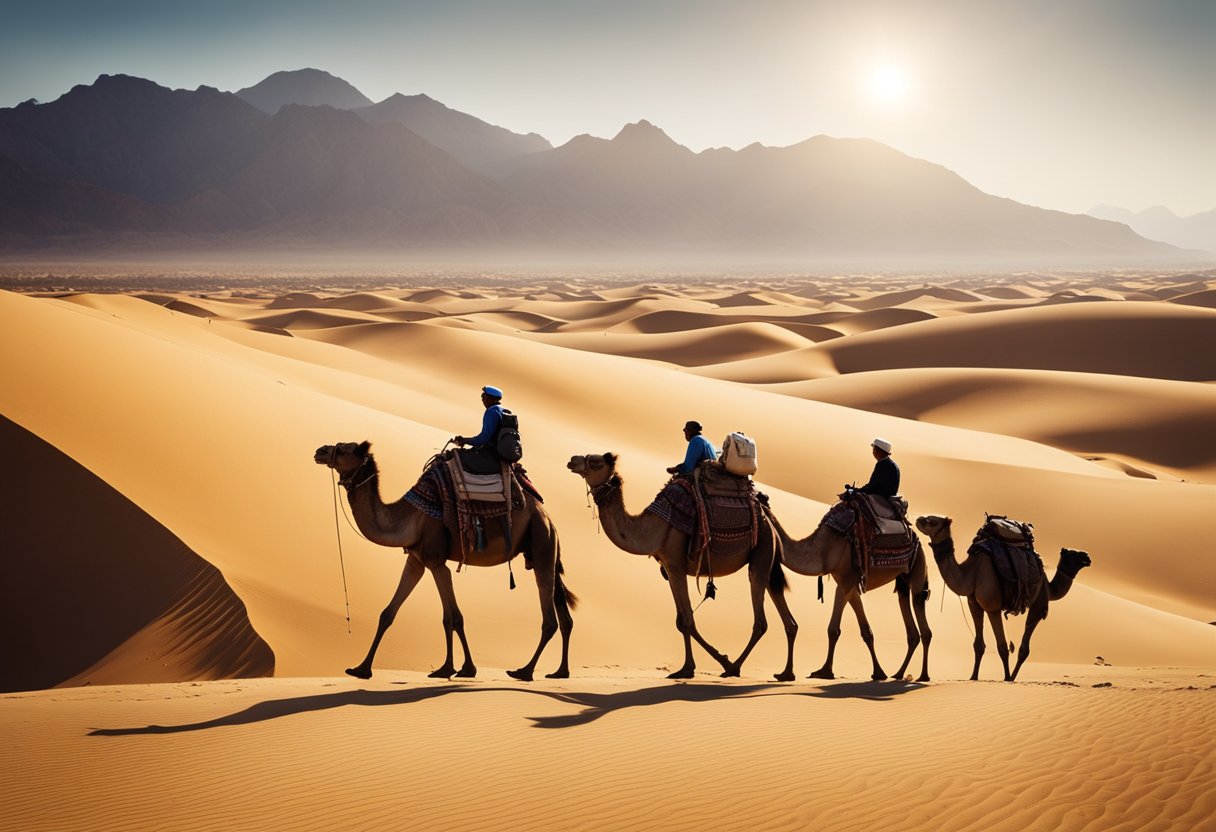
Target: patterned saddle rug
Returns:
[722, 522]
[877, 529]
[467, 504]
[1010, 546]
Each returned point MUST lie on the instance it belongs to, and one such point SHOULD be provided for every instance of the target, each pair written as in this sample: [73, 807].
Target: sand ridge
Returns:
[202, 409]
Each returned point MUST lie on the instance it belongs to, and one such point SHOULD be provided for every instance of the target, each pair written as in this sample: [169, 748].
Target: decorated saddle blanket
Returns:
[469, 506]
[722, 524]
[1010, 546]
[877, 529]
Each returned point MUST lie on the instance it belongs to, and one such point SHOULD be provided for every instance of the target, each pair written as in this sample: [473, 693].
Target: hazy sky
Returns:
[1057, 103]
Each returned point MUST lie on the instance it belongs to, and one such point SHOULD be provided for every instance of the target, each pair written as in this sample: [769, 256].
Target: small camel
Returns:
[977, 580]
[826, 552]
[428, 546]
[648, 534]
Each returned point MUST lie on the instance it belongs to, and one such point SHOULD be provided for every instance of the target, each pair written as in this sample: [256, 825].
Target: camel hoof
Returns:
[922, 678]
[682, 673]
[523, 674]
[466, 672]
[731, 672]
[822, 673]
[558, 674]
[359, 672]
[441, 673]
[785, 677]
[879, 677]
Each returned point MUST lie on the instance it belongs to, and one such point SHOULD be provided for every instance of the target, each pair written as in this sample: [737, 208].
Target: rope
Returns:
[341, 558]
[965, 618]
[591, 504]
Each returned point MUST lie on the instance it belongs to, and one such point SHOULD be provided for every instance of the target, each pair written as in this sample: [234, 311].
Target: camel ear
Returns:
[610, 457]
[363, 448]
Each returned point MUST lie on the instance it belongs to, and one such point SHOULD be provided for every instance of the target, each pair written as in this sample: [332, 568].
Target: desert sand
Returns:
[176, 623]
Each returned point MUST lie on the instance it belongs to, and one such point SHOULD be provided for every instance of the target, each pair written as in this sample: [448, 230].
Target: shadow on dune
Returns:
[594, 705]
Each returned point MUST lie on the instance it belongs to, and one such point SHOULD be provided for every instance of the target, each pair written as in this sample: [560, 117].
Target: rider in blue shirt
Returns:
[491, 399]
[699, 449]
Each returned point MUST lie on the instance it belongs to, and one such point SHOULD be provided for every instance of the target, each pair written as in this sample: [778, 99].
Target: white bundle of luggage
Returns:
[739, 454]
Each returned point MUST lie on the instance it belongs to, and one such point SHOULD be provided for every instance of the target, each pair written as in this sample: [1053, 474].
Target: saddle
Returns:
[1010, 546]
[716, 509]
[467, 503]
[716, 481]
[485, 487]
[878, 530]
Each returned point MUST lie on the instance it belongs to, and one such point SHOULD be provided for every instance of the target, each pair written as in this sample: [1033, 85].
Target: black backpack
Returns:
[507, 443]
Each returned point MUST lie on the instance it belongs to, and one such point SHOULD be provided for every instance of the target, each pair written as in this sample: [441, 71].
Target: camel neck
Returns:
[942, 550]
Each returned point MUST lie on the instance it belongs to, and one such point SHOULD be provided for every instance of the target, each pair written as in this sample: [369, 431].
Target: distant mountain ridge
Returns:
[1197, 231]
[310, 87]
[126, 159]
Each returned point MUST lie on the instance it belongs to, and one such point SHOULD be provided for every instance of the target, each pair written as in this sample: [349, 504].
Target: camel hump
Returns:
[1009, 544]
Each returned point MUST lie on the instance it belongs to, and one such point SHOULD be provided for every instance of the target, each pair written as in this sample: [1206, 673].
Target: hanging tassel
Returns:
[511, 573]
[711, 591]
[479, 543]
[821, 589]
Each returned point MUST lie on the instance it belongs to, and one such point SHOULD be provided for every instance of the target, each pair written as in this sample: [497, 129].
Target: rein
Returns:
[596, 495]
[350, 485]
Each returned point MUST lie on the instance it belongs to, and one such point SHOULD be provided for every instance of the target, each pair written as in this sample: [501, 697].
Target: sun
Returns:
[889, 84]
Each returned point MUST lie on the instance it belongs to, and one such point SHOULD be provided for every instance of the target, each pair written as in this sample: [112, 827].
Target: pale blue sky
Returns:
[1063, 104]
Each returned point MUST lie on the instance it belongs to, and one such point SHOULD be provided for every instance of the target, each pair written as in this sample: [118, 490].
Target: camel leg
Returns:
[920, 598]
[565, 624]
[1002, 642]
[825, 672]
[759, 623]
[687, 625]
[977, 615]
[1032, 621]
[453, 621]
[913, 634]
[791, 631]
[410, 576]
[867, 635]
[548, 621]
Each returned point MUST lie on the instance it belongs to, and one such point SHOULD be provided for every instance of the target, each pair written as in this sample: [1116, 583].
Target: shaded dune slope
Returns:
[102, 593]
[1162, 423]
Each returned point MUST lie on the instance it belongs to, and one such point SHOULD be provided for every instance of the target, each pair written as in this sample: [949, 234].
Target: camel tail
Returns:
[776, 578]
[561, 592]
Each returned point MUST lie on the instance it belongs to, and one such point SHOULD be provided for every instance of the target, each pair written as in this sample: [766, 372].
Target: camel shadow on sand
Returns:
[593, 705]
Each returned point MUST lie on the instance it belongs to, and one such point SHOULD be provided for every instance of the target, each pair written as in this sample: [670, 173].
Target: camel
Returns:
[825, 552]
[647, 534]
[977, 580]
[428, 546]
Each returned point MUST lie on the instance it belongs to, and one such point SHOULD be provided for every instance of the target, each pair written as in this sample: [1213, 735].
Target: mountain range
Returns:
[1197, 231]
[303, 159]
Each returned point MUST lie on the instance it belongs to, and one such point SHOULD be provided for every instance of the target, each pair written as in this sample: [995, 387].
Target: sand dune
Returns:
[183, 426]
[105, 593]
[1163, 425]
[1165, 341]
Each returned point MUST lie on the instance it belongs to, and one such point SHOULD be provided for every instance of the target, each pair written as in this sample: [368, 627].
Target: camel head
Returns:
[937, 529]
[1073, 561]
[596, 469]
[346, 457]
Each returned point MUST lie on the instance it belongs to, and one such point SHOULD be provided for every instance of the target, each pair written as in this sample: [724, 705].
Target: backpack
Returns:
[507, 442]
[739, 454]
